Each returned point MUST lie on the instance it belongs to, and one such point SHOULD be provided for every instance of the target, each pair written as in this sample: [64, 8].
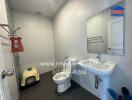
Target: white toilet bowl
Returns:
[63, 79]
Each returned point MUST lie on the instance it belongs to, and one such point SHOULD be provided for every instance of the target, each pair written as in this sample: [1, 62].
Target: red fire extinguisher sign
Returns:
[16, 44]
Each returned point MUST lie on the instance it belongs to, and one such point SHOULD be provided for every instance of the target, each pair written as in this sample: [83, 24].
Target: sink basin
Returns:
[96, 67]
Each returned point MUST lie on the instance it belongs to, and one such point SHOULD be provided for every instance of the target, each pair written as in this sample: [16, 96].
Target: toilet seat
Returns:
[61, 76]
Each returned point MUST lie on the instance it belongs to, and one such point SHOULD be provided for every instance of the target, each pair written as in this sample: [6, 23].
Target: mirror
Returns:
[105, 31]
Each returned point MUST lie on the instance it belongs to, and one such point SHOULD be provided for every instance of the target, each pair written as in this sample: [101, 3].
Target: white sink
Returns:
[96, 67]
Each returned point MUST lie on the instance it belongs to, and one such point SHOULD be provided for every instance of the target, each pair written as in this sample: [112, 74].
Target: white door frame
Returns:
[2, 96]
[8, 86]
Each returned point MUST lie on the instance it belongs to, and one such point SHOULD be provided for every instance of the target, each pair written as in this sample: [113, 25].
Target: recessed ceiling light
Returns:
[39, 13]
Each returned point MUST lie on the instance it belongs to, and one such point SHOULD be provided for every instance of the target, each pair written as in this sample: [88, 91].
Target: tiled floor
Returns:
[46, 90]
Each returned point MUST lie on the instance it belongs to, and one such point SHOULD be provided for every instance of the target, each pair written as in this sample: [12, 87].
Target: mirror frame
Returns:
[124, 26]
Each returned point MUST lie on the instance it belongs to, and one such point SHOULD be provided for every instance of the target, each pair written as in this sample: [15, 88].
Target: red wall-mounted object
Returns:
[16, 44]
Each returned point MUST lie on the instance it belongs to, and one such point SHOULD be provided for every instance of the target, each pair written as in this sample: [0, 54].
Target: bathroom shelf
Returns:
[3, 26]
[95, 39]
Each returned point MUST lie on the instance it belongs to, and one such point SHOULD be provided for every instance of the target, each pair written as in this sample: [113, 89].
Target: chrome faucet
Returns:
[99, 57]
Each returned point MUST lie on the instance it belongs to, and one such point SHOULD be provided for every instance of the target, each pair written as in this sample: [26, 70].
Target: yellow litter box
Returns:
[29, 76]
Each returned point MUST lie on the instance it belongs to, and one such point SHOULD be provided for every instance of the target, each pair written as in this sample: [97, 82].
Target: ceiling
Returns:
[47, 8]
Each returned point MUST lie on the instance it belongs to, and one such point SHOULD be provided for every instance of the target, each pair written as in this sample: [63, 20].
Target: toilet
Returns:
[63, 79]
